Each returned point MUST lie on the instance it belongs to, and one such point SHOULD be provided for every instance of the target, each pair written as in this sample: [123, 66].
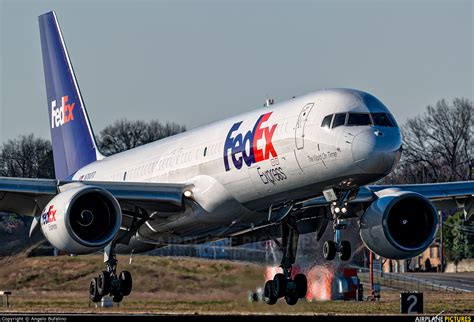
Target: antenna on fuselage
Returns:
[268, 102]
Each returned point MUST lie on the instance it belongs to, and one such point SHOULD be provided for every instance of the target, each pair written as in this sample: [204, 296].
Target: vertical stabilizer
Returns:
[72, 137]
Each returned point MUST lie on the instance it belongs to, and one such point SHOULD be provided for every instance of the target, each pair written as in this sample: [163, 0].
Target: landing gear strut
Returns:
[338, 210]
[108, 282]
[283, 285]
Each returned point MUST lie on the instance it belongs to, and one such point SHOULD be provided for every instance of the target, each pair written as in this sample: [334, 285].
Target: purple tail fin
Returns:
[72, 138]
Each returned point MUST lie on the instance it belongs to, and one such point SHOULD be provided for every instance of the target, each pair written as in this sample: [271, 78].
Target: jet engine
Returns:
[81, 220]
[399, 225]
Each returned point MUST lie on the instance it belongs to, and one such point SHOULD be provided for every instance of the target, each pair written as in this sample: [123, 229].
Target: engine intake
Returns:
[399, 225]
[81, 220]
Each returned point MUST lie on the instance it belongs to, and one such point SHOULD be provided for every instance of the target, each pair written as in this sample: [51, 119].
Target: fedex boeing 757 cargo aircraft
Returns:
[275, 173]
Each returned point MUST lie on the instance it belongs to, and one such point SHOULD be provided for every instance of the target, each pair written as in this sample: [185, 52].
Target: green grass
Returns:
[179, 285]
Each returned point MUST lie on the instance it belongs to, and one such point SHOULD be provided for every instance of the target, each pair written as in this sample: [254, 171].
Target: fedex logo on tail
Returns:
[252, 147]
[62, 114]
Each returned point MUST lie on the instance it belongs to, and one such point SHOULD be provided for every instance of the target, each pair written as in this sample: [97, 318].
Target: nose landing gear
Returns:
[339, 209]
[330, 248]
[283, 285]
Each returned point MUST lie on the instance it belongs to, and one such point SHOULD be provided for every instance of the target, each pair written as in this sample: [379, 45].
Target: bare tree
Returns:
[27, 157]
[124, 135]
[155, 130]
[437, 146]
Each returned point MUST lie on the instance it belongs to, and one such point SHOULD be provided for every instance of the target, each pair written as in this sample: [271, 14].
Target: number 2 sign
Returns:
[411, 302]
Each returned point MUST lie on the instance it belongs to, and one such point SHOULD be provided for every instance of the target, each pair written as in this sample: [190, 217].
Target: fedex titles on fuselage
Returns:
[244, 148]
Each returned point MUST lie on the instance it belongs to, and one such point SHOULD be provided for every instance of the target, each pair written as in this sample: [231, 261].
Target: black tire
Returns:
[301, 285]
[94, 295]
[118, 298]
[125, 283]
[104, 283]
[268, 294]
[345, 251]
[279, 285]
[329, 250]
[291, 300]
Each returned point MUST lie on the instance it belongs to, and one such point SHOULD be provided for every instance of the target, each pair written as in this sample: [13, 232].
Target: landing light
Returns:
[344, 210]
[337, 210]
[188, 193]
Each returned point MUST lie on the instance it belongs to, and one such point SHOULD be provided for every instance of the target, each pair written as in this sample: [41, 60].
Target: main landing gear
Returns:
[339, 210]
[108, 282]
[282, 284]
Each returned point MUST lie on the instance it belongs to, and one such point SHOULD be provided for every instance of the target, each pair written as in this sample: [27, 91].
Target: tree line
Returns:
[28, 156]
[438, 145]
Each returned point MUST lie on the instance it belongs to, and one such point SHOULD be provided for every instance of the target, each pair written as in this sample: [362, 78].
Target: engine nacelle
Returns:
[81, 220]
[399, 225]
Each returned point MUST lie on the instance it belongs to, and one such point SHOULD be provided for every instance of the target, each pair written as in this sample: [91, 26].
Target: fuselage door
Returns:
[300, 125]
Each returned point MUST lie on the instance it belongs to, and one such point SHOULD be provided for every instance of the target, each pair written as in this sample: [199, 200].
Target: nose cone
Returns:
[377, 151]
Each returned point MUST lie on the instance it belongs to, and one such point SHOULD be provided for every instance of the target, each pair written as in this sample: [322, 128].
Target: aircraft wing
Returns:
[30, 196]
[448, 195]
[445, 195]
[435, 191]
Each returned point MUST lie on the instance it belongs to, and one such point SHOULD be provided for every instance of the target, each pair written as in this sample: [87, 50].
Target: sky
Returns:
[195, 62]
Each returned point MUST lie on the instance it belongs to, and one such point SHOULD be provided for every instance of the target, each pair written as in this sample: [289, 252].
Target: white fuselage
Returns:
[261, 159]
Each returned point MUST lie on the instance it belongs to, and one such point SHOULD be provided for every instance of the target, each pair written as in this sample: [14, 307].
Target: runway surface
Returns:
[462, 281]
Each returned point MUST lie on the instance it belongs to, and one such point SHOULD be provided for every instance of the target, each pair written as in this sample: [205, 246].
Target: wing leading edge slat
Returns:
[30, 196]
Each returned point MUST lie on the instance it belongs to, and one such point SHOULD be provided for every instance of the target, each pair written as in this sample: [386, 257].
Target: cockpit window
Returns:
[358, 119]
[382, 119]
[327, 121]
[392, 119]
[339, 119]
